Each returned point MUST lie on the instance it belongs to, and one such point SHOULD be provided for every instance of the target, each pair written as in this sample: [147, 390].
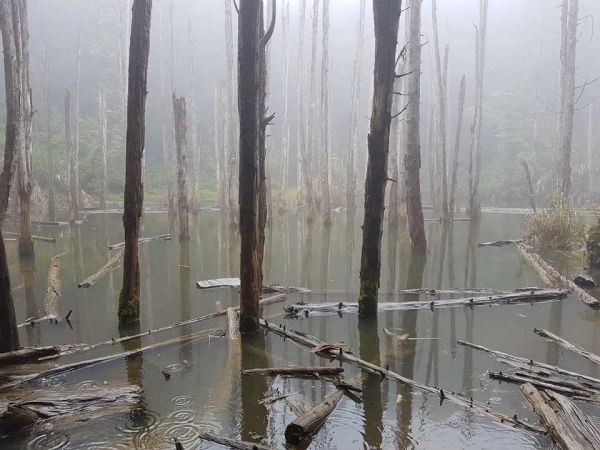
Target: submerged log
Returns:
[93, 279]
[295, 371]
[570, 427]
[551, 276]
[232, 443]
[502, 299]
[310, 342]
[26, 354]
[308, 423]
[567, 345]
[500, 243]
[160, 237]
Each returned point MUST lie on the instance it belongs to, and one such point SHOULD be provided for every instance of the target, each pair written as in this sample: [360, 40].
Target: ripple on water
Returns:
[175, 367]
[138, 420]
[49, 441]
[88, 384]
[166, 431]
[53, 382]
[182, 416]
[181, 400]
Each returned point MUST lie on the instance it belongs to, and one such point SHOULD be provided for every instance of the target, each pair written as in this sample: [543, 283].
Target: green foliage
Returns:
[556, 228]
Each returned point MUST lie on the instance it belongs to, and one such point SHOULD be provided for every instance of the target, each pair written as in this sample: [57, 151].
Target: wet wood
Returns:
[311, 342]
[295, 371]
[308, 423]
[500, 243]
[26, 354]
[551, 276]
[235, 283]
[53, 288]
[501, 299]
[232, 443]
[180, 127]
[233, 324]
[570, 428]
[93, 279]
[34, 237]
[567, 345]
[529, 186]
[160, 237]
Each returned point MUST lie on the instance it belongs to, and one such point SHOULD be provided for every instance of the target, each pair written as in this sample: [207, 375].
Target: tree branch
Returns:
[269, 33]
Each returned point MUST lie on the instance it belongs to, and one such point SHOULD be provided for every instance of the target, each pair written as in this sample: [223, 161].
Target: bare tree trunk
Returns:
[475, 150]
[139, 48]
[70, 153]
[219, 142]
[194, 154]
[313, 130]
[285, 129]
[103, 161]
[529, 186]
[386, 18]
[49, 153]
[431, 148]
[75, 186]
[10, 16]
[231, 121]
[325, 201]
[459, 115]
[568, 47]
[179, 113]
[589, 147]
[123, 8]
[356, 85]
[412, 158]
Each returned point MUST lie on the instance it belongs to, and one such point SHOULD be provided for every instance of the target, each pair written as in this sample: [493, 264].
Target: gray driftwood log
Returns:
[295, 371]
[308, 423]
[567, 345]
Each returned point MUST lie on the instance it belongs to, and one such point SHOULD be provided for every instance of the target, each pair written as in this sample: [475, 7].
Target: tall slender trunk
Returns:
[475, 150]
[589, 149]
[69, 152]
[386, 14]
[49, 152]
[219, 142]
[412, 158]
[123, 8]
[313, 111]
[139, 48]
[75, 186]
[455, 160]
[285, 129]
[325, 201]
[231, 121]
[103, 161]
[194, 154]
[179, 114]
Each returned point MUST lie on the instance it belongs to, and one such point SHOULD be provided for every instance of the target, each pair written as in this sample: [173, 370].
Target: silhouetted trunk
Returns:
[386, 18]
[75, 186]
[568, 46]
[14, 140]
[179, 114]
[412, 158]
[455, 160]
[139, 47]
[325, 201]
[103, 125]
[355, 100]
[49, 152]
[475, 150]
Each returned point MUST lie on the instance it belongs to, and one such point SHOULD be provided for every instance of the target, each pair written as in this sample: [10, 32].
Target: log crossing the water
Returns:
[93, 279]
[295, 371]
[160, 237]
[567, 345]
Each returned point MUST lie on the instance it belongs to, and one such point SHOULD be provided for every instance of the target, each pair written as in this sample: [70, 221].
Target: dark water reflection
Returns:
[197, 385]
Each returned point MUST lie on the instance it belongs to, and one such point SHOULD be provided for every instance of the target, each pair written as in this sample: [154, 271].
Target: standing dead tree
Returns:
[194, 154]
[313, 119]
[568, 47]
[49, 152]
[455, 159]
[139, 48]
[179, 114]
[103, 116]
[11, 14]
[475, 147]
[74, 176]
[231, 121]
[412, 158]
[285, 129]
[325, 204]
[386, 14]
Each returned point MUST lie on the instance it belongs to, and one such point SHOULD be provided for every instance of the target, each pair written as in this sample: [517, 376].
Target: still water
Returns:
[196, 386]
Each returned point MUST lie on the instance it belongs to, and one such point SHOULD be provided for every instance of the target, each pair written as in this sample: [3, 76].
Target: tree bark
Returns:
[139, 48]
[386, 18]
[231, 121]
[179, 113]
[103, 161]
[325, 200]
[455, 160]
[412, 158]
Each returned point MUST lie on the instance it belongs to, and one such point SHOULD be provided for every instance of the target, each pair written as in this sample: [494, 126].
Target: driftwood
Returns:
[295, 371]
[551, 276]
[65, 407]
[308, 423]
[92, 279]
[570, 428]
[232, 443]
[35, 238]
[535, 366]
[500, 243]
[235, 283]
[567, 345]
[311, 342]
[264, 302]
[160, 237]
[502, 299]
[26, 354]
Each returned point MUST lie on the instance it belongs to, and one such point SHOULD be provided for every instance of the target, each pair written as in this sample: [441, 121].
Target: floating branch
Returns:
[500, 243]
[93, 279]
[567, 345]
[160, 237]
[295, 371]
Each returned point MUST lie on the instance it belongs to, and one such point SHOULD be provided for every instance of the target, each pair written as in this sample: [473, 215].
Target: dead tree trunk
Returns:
[325, 201]
[589, 149]
[285, 129]
[69, 152]
[475, 150]
[75, 187]
[386, 18]
[179, 114]
[139, 47]
[103, 164]
[529, 186]
[568, 47]
[231, 121]
[14, 140]
[194, 154]
[49, 153]
[454, 181]
[219, 143]
[313, 129]
[412, 158]
[356, 84]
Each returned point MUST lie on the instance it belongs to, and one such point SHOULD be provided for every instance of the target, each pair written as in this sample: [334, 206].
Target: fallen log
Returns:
[264, 302]
[235, 283]
[294, 371]
[309, 423]
[551, 276]
[503, 299]
[567, 345]
[49, 223]
[26, 354]
[93, 279]
[306, 340]
[570, 428]
[160, 237]
[232, 443]
[34, 237]
[534, 366]
[500, 243]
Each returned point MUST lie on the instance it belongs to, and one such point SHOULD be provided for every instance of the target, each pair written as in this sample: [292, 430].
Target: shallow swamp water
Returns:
[197, 386]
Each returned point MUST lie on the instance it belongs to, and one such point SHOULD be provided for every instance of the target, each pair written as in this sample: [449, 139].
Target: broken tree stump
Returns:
[567, 345]
[93, 279]
[295, 371]
[308, 423]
